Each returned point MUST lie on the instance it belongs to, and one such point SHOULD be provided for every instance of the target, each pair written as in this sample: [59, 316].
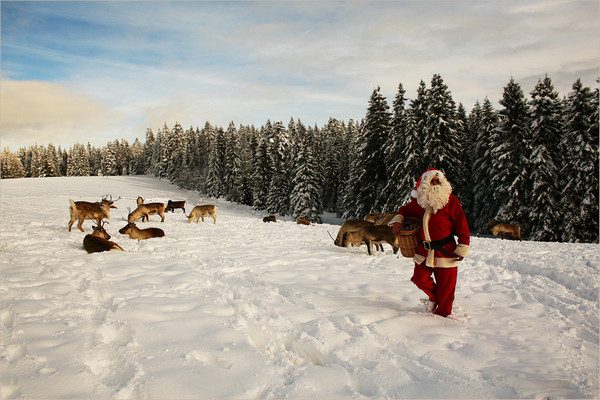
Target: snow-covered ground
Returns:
[245, 309]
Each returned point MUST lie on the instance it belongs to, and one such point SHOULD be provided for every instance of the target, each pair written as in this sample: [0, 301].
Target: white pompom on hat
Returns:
[429, 172]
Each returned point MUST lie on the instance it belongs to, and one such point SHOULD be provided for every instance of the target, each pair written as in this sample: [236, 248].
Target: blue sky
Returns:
[98, 71]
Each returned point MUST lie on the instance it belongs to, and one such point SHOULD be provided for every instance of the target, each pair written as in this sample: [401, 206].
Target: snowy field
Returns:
[244, 309]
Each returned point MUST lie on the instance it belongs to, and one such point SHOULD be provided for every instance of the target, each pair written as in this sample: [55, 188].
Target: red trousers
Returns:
[440, 291]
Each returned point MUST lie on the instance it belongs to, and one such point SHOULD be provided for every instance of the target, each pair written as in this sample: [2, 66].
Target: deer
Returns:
[371, 234]
[98, 241]
[270, 218]
[203, 211]
[302, 221]
[380, 219]
[144, 211]
[140, 234]
[172, 205]
[82, 210]
[505, 229]
[350, 225]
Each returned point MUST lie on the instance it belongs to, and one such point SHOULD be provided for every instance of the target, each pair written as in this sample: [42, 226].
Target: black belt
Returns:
[438, 244]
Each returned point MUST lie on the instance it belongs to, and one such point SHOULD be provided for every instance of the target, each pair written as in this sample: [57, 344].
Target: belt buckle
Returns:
[427, 245]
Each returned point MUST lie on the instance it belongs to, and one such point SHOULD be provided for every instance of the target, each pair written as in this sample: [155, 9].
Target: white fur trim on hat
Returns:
[429, 172]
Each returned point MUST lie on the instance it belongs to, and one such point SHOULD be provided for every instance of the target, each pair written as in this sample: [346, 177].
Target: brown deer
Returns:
[380, 219]
[140, 234]
[505, 229]
[350, 225]
[172, 205]
[302, 221]
[144, 211]
[82, 210]
[270, 218]
[203, 211]
[371, 235]
[98, 241]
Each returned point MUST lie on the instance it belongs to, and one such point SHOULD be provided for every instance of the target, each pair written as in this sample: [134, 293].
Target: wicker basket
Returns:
[409, 238]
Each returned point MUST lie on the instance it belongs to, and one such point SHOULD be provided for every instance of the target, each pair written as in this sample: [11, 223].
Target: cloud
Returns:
[46, 112]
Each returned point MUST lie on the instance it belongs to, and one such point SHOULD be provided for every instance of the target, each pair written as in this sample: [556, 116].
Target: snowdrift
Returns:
[243, 309]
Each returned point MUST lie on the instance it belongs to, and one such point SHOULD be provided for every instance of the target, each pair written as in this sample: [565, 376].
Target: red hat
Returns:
[428, 172]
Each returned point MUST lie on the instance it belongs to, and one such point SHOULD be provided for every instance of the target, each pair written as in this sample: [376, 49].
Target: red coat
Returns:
[450, 220]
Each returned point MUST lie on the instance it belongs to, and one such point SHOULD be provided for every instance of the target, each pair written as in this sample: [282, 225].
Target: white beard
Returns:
[434, 196]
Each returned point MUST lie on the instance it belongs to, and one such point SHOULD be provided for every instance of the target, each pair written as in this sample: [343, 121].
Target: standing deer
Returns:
[82, 210]
[203, 211]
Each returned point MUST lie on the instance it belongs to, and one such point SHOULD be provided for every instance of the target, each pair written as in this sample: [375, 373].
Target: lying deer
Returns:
[302, 221]
[98, 241]
[172, 205]
[371, 235]
[82, 210]
[270, 218]
[140, 234]
[144, 211]
[203, 211]
[506, 229]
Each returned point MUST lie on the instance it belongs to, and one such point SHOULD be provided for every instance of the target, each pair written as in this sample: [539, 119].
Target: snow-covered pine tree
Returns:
[51, 162]
[333, 162]
[109, 164]
[348, 195]
[463, 189]
[442, 144]
[137, 166]
[511, 141]
[24, 155]
[95, 157]
[399, 155]
[278, 198]
[371, 175]
[263, 170]
[10, 165]
[579, 173]
[148, 149]
[214, 174]
[419, 112]
[483, 122]
[305, 198]
[78, 163]
[544, 215]
[233, 171]
[248, 144]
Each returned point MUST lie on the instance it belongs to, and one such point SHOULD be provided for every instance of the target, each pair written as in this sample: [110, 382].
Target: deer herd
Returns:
[372, 230]
[99, 241]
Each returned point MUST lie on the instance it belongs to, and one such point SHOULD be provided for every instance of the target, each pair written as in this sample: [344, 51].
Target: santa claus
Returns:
[438, 253]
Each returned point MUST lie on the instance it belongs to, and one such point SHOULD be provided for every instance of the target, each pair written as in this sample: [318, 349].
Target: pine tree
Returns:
[51, 162]
[419, 112]
[400, 155]
[348, 209]
[333, 162]
[278, 198]
[305, 199]
[484, 121]
[10, 165]
[78, 162]
[579, 173]
[263, 170]
[544, 210]
[442, 144]
[216, 167]
[148, 149]
[511, 141]
[371, 175]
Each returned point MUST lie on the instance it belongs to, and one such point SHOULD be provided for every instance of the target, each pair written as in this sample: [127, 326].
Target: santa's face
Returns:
[434, 191]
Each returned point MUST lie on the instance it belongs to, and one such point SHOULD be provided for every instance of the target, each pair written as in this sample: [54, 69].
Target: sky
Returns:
[96, 71]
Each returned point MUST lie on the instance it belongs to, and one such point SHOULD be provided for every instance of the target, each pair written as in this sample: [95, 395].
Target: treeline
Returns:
[534, 162]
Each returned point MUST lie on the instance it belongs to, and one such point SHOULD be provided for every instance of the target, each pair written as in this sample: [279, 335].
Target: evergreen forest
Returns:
[533, 162]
